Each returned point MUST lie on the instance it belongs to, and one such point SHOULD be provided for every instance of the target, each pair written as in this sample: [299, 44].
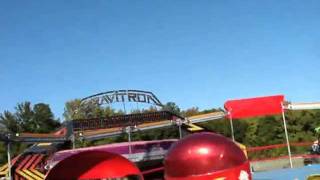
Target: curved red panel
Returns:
[93, 165]
[251, 107]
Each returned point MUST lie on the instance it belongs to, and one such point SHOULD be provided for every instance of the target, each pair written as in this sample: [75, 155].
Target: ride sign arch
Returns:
[121, 96]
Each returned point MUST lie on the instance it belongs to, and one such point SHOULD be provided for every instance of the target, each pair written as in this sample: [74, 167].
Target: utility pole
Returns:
[9, 157]
[287, 137]
[128, 131]
[179, 123]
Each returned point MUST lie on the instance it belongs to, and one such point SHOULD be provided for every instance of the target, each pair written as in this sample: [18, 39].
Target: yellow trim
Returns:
[206, 115]
[38, 173]
[4, 170]
[194, 127]
[153, 123]
[4, 173]
[44, 144]
[313, 177]
[21, 173]
[4, 167]
[243, 148]
[34, 176]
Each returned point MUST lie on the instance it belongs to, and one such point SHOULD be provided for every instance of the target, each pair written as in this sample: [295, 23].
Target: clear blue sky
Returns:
[195, 53]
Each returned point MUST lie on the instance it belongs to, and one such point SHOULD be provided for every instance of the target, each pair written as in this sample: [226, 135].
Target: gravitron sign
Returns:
[110, 97]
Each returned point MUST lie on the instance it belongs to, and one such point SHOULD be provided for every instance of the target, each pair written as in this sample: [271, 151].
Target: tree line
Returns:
[38, 118]
[26, 117]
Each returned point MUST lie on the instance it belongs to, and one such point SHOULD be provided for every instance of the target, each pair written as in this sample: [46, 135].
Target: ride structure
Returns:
[34, 162]
[31, 164]
[49, 150]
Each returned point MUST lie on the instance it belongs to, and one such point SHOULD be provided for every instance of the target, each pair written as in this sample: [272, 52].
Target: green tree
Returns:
[190, 112]
[24, 115]
[270, 131]
[172, 107]
[150, 109]
[3, 153]
[9, 121]
[72, 110]
[43, 118]
[75, 109]
[36, 119]
[210, 110]
[220, 126]
[251, 138]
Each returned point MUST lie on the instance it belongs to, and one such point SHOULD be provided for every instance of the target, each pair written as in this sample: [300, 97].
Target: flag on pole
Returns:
[251, 107]
[259, 106]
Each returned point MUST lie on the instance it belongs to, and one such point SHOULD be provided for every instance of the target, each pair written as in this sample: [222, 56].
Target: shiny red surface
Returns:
[241, 172]
[203, 154]
[93, 165]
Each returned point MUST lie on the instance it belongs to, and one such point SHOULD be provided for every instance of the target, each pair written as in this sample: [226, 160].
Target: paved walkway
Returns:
[288, 174]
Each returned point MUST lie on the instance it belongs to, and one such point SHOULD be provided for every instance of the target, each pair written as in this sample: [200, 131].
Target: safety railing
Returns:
[277, 151]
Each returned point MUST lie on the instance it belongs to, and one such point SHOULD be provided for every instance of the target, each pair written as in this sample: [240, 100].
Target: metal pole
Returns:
[231, 125]
[138, 106]
[287, 138]
[9, 160]
[179, 122]
[180, 132]
[73, 141]
[129, 138]
[124, 107]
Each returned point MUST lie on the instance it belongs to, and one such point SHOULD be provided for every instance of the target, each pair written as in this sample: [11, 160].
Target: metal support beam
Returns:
[73, 139]
[179, 123]
[231, 125]
[128, 130]
[180, 132]
[287, 137]
[9, 160]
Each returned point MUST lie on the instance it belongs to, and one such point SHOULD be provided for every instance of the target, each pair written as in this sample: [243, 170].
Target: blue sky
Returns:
[195, 53]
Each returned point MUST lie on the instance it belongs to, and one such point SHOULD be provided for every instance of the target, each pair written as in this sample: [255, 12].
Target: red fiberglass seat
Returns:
[95, 165]
[206, 156]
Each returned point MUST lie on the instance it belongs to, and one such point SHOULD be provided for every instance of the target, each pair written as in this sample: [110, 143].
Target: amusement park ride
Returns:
[198, 156]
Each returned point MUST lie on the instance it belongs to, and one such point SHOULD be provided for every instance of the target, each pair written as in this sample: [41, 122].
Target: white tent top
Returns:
[303, 106]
